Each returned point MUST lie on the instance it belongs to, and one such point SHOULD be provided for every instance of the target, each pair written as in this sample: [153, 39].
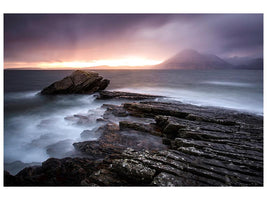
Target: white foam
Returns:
[240, 102]
[226, 83]
[20, 95]
[28, 134]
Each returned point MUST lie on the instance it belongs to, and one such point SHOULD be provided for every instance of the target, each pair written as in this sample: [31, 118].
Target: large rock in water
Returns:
[79, 82]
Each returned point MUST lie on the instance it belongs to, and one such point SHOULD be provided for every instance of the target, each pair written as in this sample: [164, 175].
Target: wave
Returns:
[20, 95]
[226, 83]
[36, 125]
[237, 100]
[30, 132]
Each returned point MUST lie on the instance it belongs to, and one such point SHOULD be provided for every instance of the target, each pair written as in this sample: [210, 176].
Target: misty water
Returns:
[38, 127]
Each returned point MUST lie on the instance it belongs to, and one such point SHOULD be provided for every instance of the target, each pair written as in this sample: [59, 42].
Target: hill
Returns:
[192, 59]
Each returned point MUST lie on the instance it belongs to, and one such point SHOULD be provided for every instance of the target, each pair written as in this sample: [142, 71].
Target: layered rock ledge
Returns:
[161, 144]
[79, 82]
[124, 95]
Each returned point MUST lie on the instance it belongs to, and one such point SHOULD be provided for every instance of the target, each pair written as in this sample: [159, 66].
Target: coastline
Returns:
[163, 144]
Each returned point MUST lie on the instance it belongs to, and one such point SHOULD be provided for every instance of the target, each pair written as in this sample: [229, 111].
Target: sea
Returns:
[38, 127]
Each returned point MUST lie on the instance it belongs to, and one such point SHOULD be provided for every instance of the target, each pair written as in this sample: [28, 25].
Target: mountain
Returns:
[191, 59]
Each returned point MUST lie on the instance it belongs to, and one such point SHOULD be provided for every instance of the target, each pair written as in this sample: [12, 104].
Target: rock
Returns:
[166, 179]
[90, 134]
[117, 113]
[133, 170]
[206, 147]
[16, 166]
[115, 110]
[231, 139]
[60, 149]
[124, 95]
[85, 120]
[176, 127]
[53, 172]
[149, 128]
[195, 170]
[139, 168]
[106, 177]
[115, 141]
[188, 111]
[105, 145]
[79, 82]
[10, 180]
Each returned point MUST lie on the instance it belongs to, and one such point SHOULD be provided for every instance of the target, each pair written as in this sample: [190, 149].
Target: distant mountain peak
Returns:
[188, 51]
[192, 59]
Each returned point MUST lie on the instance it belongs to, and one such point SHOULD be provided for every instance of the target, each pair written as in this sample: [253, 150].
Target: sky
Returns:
[84, 40]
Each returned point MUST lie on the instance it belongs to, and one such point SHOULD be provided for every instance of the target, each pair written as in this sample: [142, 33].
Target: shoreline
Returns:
[168, 99]
[180, 131]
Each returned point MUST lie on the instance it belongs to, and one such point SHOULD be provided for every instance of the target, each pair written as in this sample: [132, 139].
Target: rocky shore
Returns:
[159, 143]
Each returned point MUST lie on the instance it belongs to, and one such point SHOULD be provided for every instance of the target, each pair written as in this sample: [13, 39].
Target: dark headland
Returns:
[156, 143]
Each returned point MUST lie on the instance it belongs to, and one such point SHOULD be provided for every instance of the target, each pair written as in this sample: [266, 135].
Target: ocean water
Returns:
[38, 127]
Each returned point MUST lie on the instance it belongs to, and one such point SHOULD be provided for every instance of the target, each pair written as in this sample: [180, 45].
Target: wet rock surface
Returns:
[161, 144]
[16, 166]
[79, 82]
[54, 172]
[115, 140]
[124, 95]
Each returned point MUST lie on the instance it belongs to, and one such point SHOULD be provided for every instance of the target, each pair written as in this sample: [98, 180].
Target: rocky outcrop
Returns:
[16, 166]
[148, 128]
[161, 144]
[115, 139]
[140, 168]
[210, 146]
[79, 82]
[54, 172]
[177, 168]
[124, 95]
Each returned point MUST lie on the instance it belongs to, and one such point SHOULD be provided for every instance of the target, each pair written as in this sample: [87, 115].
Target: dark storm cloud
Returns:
[223, 34]
[57, 32]
[50, 37]
[240, 33]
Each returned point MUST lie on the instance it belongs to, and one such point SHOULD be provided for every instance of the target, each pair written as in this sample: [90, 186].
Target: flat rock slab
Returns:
[124, 95]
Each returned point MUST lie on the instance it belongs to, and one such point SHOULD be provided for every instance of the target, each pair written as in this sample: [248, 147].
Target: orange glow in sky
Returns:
[116, 63]
[113, 63]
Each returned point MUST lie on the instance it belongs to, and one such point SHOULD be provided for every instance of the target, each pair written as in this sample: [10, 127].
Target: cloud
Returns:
[49, 37]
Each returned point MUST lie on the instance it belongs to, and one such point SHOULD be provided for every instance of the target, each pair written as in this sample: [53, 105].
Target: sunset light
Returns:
[113, 63]
[147, 99]
[125, 63]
